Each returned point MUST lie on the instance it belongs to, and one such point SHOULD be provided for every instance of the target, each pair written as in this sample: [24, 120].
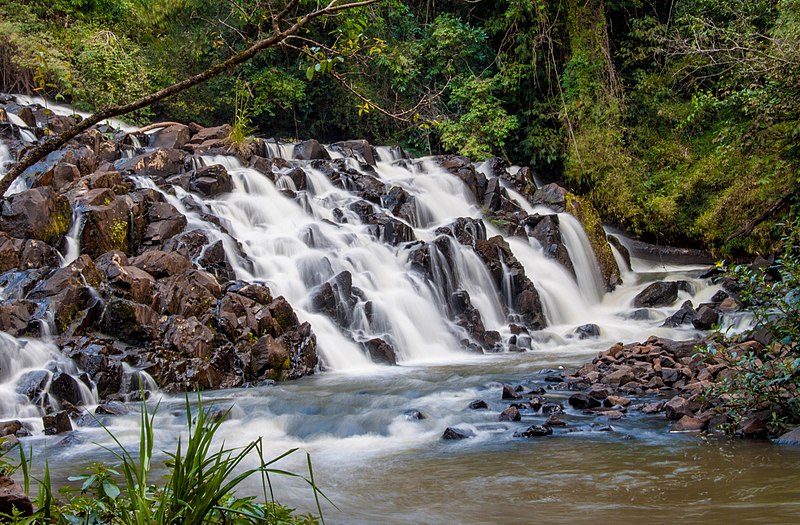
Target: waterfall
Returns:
[72, 241]
[582, 256]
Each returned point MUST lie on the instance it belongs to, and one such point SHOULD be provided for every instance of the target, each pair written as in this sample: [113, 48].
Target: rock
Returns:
[414, 415]
[582, 401]
[211, 181]
[359, 149]
[545, 229]
[688, 424]
[112, 408]
[619, 377]
[164, 221]
[657, 294]
[587, 330]
[9, 428]
[310, 150]
[510, 414]
[653, 408]
[616, 401]
[535, 431]
[509, 393]
[754, 428]
[170, 137]
[161, 264]
[613, 415]
[478, 404]
[706, 318]
[13, 499]
[38, 213]
[57, 423]
[789, 438]
[685, 315]
[380, 351]
[551, 195]
[64, 387]
[451, 433]
[676, 408]
[160, 163]
[190, 293]
[552, 408]
[554, 421]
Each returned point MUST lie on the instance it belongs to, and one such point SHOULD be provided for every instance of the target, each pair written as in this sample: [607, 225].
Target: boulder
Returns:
[478, 404]
[545, 229]
[38, 213]
[359, 149]
[380, 351]
[211, 181]
[587, 331]
[57, 423]
[685, 315]
[190, 293]
[688, 424]
[161, 264]
[310, 150]
[510, 414]
[789, 438]
[510, 393]
[753, 428]
[10, 428]
[64, 387]
[171, 137]
[676, 408]
[13, 499]
[451, 433]
[582, 401]
[657, 294]
[706, 318]
[535, 431]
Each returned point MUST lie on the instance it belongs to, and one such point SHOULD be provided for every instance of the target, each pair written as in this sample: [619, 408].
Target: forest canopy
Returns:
[678, 119]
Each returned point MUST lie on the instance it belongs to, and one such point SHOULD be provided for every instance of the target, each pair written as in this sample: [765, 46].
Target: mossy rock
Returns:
[588, 216]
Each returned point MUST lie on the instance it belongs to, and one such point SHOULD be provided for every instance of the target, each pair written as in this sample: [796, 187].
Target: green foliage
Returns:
[199, 486]
[483, 125]
[767, 378]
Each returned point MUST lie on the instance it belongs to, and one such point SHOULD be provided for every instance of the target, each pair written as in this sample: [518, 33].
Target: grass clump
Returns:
[199, 487]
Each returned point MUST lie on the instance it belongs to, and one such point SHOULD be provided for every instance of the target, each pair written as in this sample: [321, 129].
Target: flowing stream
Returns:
[373, 455]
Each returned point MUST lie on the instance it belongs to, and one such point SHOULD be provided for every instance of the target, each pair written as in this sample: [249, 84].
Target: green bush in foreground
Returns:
[197, 489]
[765, 378]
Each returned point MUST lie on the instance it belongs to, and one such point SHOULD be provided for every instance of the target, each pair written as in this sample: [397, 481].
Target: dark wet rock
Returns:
[685, 315]
[190, 293]
[789, 438]
[510, 393]
[497, 254]
[17, 316]
[112, 408]
[552, 408]
[465, 315]
[414, 415]
[706, 318]
[13, 499]
[616, 401]
[359, 149]
[187, 336]
[310, 150]
[652, 252]
[551, 195]
[554, 421]
[32, 385]
[451, 433]
[161, 264]
[587, 331]
[57, 423]
[535, 431]
[753, 428]
[545, 229]
[465, 230]
[38, 213]
[129, 321]
[478, 404]
[211, 181]
[380, 351]
[462, 168]
[64, 387]
[582, 401]
[107, 223]
[215, 261]
[164, 221]
[657, 294]
[510, 414]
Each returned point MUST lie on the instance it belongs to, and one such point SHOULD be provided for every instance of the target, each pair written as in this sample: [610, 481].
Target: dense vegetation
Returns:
[198, 486]
[680, 120]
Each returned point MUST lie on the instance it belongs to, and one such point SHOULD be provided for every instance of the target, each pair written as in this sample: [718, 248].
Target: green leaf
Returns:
[310, 73]
[111, 490]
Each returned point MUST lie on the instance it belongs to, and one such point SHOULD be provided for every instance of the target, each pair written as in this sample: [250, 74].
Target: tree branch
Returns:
[45, 148]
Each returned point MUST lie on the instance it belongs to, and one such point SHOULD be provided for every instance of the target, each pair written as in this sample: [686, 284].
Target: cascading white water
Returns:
[28, 365]
[583, 258]
[72, 241]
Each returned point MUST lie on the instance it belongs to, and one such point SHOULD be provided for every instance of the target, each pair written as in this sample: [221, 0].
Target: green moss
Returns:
[119, 235]
[59, 224]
